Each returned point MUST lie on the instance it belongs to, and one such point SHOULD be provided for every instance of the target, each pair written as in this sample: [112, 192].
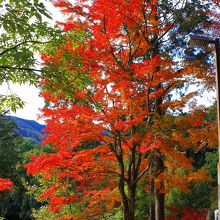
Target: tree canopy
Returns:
[109, 87]
[24, 33]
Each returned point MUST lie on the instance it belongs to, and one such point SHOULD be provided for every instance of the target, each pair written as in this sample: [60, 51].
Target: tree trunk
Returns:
[128, 202]
[132, 200]
[128, 212]
[125, 202]
[159, 196]
[126, 209]
[159, 205]
[127, 215]
[152, 204]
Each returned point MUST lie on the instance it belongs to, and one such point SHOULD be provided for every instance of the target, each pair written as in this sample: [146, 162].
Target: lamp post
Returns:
[200, 41]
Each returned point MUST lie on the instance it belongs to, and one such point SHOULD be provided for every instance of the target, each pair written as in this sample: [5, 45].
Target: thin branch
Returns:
[20, 44]
[142, 173]
[218, 4]
[139, 160]
[172, 25]
[21, 68]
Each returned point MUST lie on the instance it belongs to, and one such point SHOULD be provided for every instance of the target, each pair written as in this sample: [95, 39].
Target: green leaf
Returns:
[45, 13]
[38, 16]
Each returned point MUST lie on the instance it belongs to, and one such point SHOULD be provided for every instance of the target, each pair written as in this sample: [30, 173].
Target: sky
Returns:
[30, 95]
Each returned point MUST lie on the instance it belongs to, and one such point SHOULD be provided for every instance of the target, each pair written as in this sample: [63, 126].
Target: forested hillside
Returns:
[29, 129]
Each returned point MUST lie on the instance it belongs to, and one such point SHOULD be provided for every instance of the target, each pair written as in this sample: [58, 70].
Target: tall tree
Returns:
[115, 92]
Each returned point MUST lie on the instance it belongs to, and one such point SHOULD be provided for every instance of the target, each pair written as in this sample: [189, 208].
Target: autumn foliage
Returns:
[187, 213]
[5, 184]
[110, 114]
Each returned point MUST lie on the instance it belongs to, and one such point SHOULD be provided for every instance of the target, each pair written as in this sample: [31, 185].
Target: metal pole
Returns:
[217, 68]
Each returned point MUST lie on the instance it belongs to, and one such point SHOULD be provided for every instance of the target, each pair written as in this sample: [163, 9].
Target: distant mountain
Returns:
[29, 129]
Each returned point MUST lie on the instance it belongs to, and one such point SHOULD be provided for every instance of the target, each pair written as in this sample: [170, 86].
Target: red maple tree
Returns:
[109, 114]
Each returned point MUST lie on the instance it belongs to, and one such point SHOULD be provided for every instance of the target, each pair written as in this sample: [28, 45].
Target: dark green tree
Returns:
[12, 158]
